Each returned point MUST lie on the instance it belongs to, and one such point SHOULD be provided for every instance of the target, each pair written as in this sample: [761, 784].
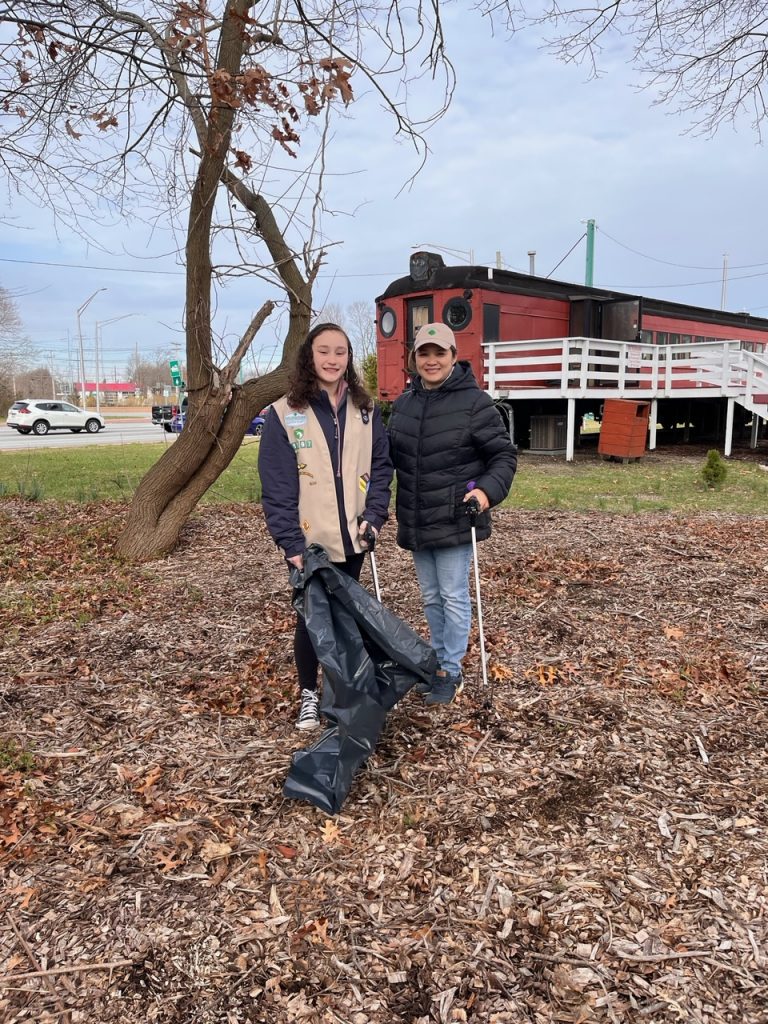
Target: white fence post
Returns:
[571, 422]
[729, 427]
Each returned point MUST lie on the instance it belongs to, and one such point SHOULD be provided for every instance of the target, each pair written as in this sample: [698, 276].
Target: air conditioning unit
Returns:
[549, 434]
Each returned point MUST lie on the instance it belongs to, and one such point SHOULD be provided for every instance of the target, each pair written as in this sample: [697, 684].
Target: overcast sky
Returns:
[528, 151]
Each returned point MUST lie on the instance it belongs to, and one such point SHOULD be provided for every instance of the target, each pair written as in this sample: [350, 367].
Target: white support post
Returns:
[569, 444]
[755, 430]
[584, 365]
[652, 424]
[492, 386]
[729, 428]
[565, 356]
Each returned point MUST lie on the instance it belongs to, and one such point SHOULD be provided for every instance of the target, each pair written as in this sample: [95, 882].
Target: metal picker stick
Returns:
[473, 511]
[370, 539]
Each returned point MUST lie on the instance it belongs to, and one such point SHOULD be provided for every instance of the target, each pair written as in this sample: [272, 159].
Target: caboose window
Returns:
[387, 322]
[457, 313]
[491, 315]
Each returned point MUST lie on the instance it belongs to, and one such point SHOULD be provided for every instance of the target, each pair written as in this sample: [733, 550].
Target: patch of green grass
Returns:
[14, 758]
[112, 472]
[649, 485]
[656, 483]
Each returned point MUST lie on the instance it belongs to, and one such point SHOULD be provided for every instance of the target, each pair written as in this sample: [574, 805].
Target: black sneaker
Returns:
[309, 712]
[424, 686]
[445, 689]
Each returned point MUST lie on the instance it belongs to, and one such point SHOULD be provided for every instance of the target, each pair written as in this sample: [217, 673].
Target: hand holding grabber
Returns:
[473, 511]
[369, 536]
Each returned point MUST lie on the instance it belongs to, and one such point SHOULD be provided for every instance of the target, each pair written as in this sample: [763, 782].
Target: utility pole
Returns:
[724, 289]
[99, 325]
[80, 338]
[590, 268]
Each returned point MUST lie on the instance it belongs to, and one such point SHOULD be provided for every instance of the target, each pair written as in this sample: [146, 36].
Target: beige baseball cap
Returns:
[435, 334]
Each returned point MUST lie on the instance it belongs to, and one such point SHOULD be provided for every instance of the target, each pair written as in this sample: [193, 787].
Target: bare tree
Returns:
[191, 100]
[148, 374]
[16, 351]
[362, 328]
[357, 319]
[708, 58]
[332, 313]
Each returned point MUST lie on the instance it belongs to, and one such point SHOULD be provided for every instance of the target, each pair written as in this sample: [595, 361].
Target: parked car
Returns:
[164, 413]
[176, 425]
[38, 416]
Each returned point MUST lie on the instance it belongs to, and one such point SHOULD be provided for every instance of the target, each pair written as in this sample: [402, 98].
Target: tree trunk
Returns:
[219, 411]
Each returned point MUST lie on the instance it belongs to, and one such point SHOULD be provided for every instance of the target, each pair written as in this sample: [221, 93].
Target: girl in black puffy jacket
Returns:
[448, 445]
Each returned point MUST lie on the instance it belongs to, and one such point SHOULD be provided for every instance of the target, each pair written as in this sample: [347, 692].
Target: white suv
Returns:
[38, 416]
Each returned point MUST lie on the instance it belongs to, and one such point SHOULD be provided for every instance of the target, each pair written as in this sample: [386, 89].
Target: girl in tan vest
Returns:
[325, 468]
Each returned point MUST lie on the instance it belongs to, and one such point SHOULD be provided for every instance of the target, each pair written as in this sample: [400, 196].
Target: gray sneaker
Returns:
[309, 712]
[444, 689]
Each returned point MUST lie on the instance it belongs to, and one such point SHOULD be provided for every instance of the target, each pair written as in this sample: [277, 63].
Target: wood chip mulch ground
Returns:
[585, 841]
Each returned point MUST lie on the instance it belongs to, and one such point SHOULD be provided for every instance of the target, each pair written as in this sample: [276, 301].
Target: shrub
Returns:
[714, 470]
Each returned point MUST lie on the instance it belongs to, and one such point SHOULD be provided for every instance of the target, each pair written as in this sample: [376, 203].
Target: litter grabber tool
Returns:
[370, 539]
[473, 511]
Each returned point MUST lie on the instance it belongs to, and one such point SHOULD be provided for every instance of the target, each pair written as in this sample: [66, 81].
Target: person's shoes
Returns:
[424, 686]
[309, 712]
[444, 689]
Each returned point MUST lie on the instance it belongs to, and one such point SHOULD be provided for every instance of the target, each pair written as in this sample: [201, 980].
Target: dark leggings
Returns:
[303, 651]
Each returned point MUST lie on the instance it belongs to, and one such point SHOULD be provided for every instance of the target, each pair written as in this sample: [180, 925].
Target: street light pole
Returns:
[80, 337]
[99, 325]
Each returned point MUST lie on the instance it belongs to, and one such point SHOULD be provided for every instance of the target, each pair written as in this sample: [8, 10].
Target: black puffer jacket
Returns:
[441, 439]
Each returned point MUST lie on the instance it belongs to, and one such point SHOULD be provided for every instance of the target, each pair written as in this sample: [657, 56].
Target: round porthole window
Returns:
[457, 313]
[387, 322]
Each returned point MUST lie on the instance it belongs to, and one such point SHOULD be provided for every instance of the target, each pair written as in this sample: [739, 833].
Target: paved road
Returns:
[117, 431]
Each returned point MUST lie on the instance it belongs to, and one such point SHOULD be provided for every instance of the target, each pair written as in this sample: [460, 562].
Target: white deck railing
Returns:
[584, 367]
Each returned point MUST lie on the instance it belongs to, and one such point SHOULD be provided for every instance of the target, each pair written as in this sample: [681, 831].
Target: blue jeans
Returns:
[443, 575]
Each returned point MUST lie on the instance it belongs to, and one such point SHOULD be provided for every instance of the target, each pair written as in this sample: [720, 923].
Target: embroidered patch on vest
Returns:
[298, 434]
[296, 419]
[364, 482]
[364, 413]
[300, 444]
[306, 526]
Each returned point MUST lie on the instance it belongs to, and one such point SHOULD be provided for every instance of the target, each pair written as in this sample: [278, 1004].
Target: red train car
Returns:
[664, 348]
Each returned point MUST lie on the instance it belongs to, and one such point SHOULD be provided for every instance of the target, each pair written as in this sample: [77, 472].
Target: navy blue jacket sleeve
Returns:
[280, 486]
[377, 499]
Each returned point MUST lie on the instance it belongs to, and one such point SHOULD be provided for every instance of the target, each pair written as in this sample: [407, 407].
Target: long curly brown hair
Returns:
[303, 385]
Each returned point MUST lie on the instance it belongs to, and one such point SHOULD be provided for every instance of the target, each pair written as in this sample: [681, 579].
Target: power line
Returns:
[567, 254]
[86, 266]
[136, 270]
[669, 263]
[692, 284]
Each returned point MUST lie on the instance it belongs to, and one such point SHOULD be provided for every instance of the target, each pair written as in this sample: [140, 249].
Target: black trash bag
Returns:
[370, 659]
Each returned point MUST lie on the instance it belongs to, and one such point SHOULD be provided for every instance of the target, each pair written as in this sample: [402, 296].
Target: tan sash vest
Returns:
[318, 508]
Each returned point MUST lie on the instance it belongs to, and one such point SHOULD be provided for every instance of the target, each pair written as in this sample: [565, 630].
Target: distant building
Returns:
[110, 392]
